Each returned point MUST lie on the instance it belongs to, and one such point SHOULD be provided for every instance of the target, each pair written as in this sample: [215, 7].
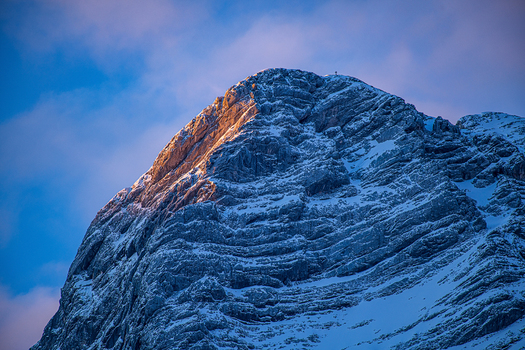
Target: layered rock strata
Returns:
[301, 211]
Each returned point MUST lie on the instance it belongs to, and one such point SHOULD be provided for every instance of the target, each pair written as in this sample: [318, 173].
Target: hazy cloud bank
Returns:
[23, 317]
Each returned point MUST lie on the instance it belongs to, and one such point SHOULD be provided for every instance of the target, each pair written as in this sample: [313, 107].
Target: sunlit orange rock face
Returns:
[192, 146]
[189, 151]
[181, 167]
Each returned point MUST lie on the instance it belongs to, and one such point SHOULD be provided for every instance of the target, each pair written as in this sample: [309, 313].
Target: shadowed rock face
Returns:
[305, 211]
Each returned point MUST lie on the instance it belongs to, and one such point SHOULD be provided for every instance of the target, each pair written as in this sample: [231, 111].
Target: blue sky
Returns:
[92, 90]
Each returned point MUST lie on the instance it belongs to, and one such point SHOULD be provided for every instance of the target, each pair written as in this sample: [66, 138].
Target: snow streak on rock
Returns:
[301, 211]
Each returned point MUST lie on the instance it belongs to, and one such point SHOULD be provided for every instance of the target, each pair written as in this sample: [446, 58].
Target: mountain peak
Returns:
[297, 209]
[261, 105]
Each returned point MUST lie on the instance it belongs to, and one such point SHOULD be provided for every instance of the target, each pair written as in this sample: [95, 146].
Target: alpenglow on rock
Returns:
[301, 211]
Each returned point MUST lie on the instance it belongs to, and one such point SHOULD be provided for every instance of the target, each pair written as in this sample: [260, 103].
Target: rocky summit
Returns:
[309, 212]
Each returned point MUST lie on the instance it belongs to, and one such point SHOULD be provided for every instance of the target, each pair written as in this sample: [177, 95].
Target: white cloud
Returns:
[23, 317]
[443, 52]
[108, 31]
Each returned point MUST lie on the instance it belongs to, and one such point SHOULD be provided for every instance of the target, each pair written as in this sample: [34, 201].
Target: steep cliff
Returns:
[301, 211]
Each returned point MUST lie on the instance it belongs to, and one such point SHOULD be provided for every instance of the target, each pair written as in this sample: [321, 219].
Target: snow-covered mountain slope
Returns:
[301, 211]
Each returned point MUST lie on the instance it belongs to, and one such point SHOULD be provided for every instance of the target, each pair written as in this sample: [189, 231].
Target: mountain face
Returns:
[301, 211]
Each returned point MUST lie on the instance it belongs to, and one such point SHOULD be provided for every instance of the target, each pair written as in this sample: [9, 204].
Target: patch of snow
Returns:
[496, 221]
[429, 122]
[367, 158]
[480, 195]
[511, 127]
[274, 130]
[379, 323]
[509, 338]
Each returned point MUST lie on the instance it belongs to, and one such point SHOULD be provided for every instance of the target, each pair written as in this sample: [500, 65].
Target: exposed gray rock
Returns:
[301, 211]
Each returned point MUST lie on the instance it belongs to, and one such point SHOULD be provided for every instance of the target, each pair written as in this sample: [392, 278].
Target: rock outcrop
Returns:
[301, 211]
